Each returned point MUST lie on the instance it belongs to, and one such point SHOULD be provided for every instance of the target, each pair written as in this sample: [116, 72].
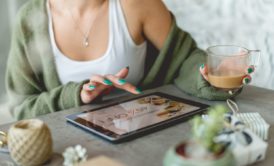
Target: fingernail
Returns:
[127, 67]
[202, 66]
[246, 80]
[122, 81]
[138, 90]
[92, 87]
[107, 82]
[250, 70]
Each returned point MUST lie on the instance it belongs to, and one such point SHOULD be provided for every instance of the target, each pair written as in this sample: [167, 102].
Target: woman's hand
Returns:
[246, 79]
[99, 85]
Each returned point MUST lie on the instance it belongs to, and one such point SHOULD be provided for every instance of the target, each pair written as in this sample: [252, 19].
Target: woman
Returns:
[66, 53]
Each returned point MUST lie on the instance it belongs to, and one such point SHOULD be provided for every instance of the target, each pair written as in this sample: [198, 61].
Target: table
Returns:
[149, 150]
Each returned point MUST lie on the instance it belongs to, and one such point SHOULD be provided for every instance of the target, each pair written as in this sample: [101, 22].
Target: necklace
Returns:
[85, 35]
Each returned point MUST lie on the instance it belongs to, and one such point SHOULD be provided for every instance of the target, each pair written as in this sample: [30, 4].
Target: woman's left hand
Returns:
[246, 79]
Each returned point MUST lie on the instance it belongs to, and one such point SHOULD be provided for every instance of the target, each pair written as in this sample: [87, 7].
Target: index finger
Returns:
[122, 84]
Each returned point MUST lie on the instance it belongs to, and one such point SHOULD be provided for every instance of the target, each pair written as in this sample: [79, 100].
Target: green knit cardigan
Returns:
[33, 85]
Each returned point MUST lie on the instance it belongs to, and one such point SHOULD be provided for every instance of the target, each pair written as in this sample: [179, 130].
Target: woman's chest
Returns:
[85, 40]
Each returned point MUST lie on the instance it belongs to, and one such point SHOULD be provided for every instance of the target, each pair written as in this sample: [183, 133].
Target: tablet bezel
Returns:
[115, 138]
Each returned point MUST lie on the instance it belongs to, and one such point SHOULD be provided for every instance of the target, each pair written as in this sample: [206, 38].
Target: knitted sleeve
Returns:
[28, 96]
[178, 62]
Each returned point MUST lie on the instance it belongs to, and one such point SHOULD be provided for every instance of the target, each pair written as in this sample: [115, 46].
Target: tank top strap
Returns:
[118, 22]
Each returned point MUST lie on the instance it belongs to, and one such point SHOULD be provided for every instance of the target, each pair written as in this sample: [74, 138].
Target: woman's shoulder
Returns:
[145, 8]
[32, 12]
[142, 5]
[138, 3]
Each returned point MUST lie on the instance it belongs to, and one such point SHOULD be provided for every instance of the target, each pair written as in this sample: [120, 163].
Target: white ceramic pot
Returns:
[173, 158]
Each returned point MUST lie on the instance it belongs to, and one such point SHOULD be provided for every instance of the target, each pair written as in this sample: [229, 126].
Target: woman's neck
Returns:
[82, 5]
[79, 7]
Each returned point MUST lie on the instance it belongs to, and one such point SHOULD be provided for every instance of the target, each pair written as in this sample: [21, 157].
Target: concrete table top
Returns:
[149, 150]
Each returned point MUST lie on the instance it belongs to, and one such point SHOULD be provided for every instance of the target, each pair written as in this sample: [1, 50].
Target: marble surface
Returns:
[149, 150]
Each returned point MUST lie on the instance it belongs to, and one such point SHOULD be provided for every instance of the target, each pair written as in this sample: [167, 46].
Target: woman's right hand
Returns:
[99, 84]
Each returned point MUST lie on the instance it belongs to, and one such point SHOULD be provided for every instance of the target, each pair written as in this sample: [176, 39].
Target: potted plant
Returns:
[202, 148]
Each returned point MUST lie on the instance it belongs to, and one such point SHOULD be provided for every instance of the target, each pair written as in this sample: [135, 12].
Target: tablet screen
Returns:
[136, 114]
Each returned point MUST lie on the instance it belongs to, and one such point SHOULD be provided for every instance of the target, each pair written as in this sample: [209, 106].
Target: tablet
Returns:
[132, 118]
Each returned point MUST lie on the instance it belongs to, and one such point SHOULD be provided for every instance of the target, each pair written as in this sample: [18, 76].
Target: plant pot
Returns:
[176, 156]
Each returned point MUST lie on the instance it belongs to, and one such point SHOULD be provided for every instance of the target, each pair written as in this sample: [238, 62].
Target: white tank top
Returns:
[121, 52]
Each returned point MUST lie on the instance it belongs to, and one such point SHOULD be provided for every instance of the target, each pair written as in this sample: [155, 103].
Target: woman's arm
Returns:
[28, 96]
[178, 62]
[147, 20]
[156, 20]
[179, 59]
